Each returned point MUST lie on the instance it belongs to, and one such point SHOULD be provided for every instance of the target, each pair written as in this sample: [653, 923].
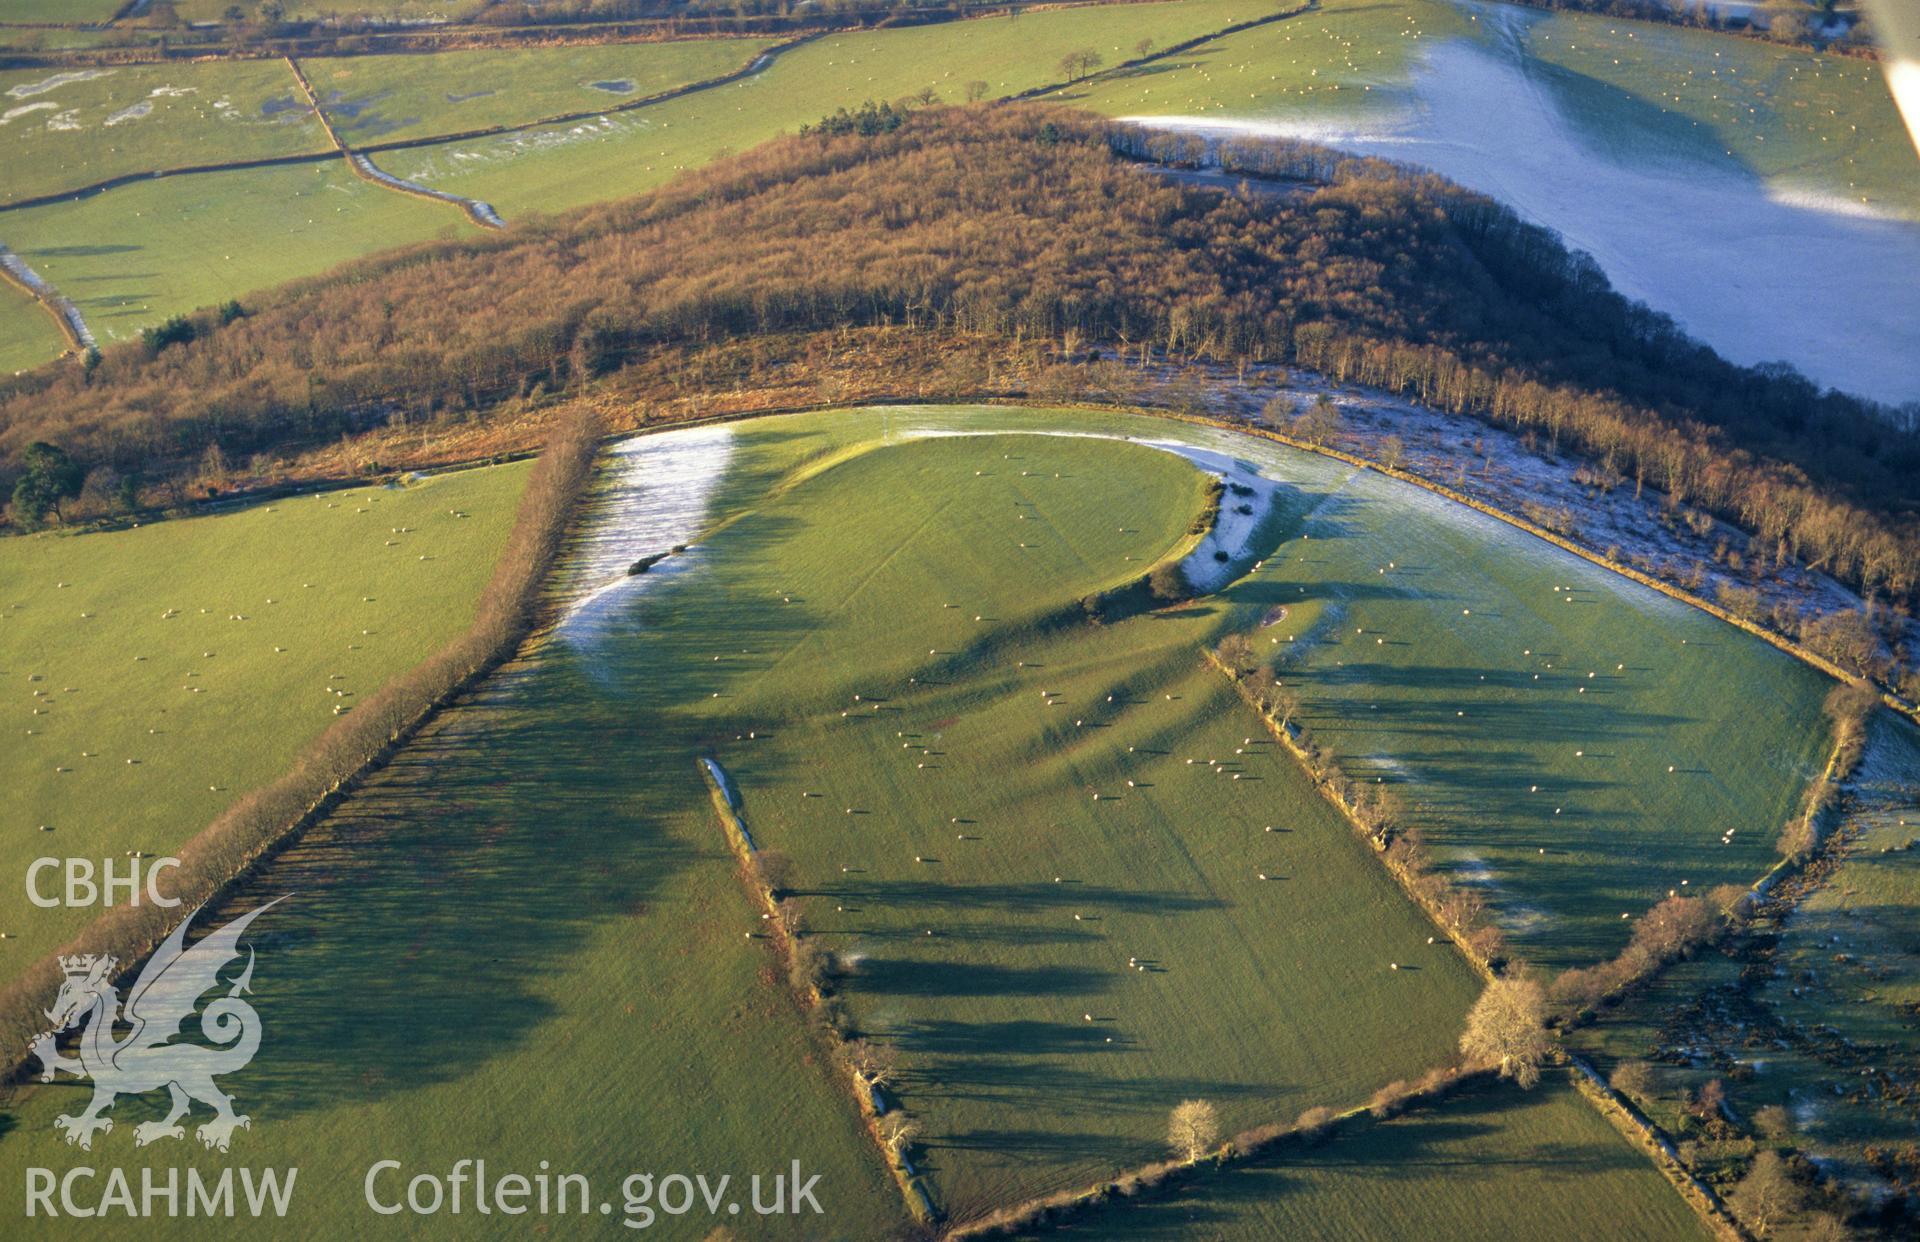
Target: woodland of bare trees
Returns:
[1014, 223]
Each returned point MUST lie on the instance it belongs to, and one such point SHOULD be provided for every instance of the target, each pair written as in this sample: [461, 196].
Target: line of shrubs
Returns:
[1374, 811]
[1848, 707]
[1673, 929]
[1313, 1125]
[1680, 925]
[814, 974]
[264, 818]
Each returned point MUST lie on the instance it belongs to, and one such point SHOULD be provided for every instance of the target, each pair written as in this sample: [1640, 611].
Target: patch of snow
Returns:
[132, 112]
[654, 494]
[26, 90]
[12, 113]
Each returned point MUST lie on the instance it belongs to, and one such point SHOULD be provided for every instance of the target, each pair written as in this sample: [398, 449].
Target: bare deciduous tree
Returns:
[876, 1063]
[1634, 1078]
[1236, 652]
[1766, 1194]
[776, 871]
[1278, 409]
[1192, 1128]
[1505, 1029]
[897, 1132]
[1773, 1121]
[1320, 423]
[1080, 63]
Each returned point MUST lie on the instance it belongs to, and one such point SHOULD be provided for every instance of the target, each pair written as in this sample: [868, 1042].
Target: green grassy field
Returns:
[521, 942]
[536, 895]
[401, 10]
[1801, 121]
[1834, 1014]
[133, 256]
[1824, 124]
[59, 10]
[1021, 1092]
[1819, 124]
[435, 893]
[138, 118]
[1640, 90]
[553, 169]
[1574, 744]
[229, 233]
[1448, 653]
[1487, 1164]
[1348, 56]
[28, 335]
[1852, 961]
[379, 98]
[128, 728]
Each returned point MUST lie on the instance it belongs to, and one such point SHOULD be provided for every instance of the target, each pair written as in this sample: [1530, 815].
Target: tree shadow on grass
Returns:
[908, 977]
[1029, 898]
[430, 913]
[1461, 1139]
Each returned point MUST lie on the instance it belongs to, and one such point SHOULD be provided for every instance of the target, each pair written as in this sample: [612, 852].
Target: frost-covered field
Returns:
[1761, 273]
[653, 497]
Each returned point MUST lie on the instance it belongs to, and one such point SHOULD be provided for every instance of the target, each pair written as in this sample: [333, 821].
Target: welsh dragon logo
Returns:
[148, 1058]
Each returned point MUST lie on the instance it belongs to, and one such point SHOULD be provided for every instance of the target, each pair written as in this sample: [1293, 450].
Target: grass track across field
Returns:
[176, 736]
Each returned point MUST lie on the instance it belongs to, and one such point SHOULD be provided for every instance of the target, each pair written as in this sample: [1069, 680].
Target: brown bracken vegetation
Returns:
[1015, 223]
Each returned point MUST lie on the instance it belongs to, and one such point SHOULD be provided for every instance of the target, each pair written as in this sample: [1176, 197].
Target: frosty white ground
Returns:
[1758, 275]
[654, 494]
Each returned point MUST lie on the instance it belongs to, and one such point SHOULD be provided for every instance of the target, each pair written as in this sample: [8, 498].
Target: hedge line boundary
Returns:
[264, 820]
